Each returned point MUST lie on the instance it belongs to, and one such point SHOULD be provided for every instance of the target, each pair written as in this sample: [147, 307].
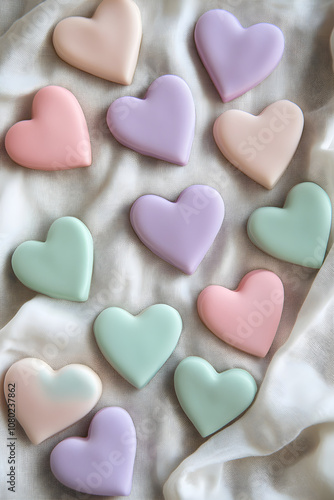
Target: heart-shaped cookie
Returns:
[62, 266]
[107, 45]
[236, 58]
[298, 232]
[246, 318]
[161, 125]
[260, 146]
[179, 232]
[48, 401]
[211, 400]
[102, 463]
[138, 346]
[56, 138]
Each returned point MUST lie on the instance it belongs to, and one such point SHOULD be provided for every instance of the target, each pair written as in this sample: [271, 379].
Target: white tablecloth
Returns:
[283, 447]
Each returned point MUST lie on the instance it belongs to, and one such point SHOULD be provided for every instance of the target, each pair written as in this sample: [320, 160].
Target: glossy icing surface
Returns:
[48, 401]
[62, 266]
[107, 45]
[56, 138]
[161, 125]
[260, 146]
[236, 58]
[179, 232]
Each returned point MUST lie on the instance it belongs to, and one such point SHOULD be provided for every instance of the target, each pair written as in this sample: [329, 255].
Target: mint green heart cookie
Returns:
[62, 266]
[138, 346]
[210, 399]
[298, 232]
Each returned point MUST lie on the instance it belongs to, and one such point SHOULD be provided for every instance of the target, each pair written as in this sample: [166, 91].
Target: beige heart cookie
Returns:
[260, 146]
[107, 45]
[45, 401]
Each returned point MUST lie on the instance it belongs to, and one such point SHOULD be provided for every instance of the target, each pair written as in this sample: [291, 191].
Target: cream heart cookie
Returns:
[260, 146]
[107, 45]
[45, 401]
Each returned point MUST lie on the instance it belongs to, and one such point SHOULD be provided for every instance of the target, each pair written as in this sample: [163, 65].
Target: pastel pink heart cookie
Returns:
[260, 146]
[236, 58]
[161, 125]
[56, 138]
[48, 401]
[107, 45]
[102, 463]
[246, 318]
